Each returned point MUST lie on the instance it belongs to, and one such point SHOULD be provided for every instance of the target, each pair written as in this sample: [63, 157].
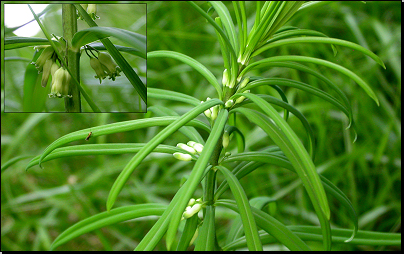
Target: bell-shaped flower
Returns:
[91, 10]
[45, 55]
[60, 84]
[46, 72]
[98, 68]
[109, 65]
[54, 68]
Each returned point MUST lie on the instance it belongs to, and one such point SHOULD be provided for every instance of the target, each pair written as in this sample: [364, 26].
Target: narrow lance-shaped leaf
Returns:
[307, 59]
[301, 162]
[250, 228]
[207, 234]
[191, 62]
[160, 137]
[107, 218]
[103, 149]
[115, 128]
[91, 34]
[272, 226]
[321, 40]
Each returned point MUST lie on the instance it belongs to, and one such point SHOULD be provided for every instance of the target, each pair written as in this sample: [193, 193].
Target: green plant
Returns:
[225, 118]
[66, 51]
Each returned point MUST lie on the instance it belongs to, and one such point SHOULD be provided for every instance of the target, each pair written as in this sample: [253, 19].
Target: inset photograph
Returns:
[75, 58]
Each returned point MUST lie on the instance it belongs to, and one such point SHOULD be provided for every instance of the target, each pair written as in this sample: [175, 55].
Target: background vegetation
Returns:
[36, 206]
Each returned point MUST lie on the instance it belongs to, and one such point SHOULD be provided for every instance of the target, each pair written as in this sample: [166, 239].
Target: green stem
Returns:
[73, 58]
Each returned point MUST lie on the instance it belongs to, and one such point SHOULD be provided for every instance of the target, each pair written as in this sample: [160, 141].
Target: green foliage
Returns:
[329, 184]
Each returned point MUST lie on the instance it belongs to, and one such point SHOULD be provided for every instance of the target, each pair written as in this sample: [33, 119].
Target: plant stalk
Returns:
[69, 20]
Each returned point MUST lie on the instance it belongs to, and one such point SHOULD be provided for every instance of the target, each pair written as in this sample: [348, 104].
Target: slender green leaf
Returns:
[272, 226]
[91, 34]
[290, 144]
[13, 161]
[297, 113]
[103, 149]
[312, 233]
[233, 58]
[191, 225]
[115, 128]
[306, 59]
[108, 218]
[20, 42]
[250, 228]
[171, 95]
[227, 21]
[191, 62]
[321, 40]
[302, 86]
[207, 234]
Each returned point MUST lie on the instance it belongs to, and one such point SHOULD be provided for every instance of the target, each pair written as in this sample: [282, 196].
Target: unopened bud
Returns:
[226, 139]
[229, 103]
[189, 212]
[214, 110]
[182, 156]
[208, 113]
[198, 147]
[191, 202]
[186, 148]
[241, 98]
[244, 83]
[225, 79]
[46, 72]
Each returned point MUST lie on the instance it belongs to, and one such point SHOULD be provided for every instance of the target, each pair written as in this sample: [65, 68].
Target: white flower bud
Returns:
[193, 210]
[214, 110]
[191, 143]
[191, 202]
[207, 113]
[198, 147]
[182, 156]
[186, 148]
[225, 79]
[229, 103]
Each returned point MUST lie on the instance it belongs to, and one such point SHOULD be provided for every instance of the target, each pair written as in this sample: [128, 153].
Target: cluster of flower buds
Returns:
[193, 207]
[191, 147]
[211, 112]
[60, 82]
[104, 66]
[91, 10]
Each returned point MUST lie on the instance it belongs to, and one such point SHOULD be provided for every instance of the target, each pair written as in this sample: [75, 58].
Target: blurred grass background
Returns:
[36, 206]
[109, 96]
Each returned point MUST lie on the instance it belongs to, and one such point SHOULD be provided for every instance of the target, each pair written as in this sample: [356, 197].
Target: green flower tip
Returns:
[104, 66]
[60, 84]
